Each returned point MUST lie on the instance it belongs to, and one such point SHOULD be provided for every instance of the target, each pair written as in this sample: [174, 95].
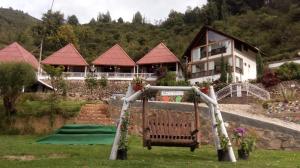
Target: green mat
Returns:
[81, 134]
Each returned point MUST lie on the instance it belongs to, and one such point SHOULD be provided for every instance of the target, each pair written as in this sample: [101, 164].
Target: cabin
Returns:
[114, 64]
[160, 57]
[203, 57]
[75, 66]
[16, 53]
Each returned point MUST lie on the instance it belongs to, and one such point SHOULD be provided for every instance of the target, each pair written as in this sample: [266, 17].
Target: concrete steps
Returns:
[94, 114]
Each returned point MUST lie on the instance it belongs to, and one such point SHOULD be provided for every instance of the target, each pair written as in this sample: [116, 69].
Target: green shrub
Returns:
[289, 71]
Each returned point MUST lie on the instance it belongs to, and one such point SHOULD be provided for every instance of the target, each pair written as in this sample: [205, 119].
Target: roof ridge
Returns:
[124, 52]
[72, 45]
[114, 46]
[153, 49]
[61, 50]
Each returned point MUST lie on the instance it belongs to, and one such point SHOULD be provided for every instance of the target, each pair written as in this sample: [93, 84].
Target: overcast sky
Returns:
[87, 9]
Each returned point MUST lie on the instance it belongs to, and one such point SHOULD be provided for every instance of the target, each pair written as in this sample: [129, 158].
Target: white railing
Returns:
[74, 74]
[147, 75]
[249, 88]
[110, 75]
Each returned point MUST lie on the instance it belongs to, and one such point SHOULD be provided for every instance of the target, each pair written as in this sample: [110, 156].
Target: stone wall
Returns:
[77, 89]
[269, 135]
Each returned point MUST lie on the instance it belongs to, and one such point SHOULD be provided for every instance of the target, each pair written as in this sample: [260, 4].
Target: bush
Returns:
[269, 78]
[288, 71]
[170, 80]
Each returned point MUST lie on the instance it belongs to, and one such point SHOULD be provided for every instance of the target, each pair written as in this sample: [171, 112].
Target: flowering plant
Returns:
[123, 144]
[243, 141]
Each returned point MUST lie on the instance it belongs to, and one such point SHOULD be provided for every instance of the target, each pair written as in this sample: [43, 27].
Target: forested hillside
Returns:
[13, 26]
[271, 25]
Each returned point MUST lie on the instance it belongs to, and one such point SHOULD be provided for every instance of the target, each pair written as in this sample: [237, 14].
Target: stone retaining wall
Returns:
[270, 135]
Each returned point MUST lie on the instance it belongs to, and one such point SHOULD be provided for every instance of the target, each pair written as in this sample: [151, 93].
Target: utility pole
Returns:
[41, 46]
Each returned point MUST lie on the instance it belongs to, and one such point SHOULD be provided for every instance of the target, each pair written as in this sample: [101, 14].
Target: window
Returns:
[211, 65]
[196, 54]
[214, 37]
[238, 45]
[239, 62]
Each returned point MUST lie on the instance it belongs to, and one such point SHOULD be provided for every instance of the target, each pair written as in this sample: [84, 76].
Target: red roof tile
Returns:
[16, 53]
[159, 54]
[67, 55]
[114, 56]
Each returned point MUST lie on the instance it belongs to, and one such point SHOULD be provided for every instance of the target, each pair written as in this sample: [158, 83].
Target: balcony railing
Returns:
[108, 75]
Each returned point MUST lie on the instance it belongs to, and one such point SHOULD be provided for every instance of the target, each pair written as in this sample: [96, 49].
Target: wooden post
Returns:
[222, 126]
[114, 149]
[197, 122]
[145, 109]
[214, 124]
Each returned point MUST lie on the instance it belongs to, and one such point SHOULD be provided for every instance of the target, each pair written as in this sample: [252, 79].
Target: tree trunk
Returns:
[9, 105]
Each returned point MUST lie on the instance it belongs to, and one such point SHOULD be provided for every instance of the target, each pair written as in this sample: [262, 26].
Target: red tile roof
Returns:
[16, 53]
[159, 54]
[114, 56]
[67, 55]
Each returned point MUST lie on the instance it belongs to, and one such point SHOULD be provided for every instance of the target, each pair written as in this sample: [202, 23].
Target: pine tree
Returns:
[259, 66]
[137, 18]
[223, 77]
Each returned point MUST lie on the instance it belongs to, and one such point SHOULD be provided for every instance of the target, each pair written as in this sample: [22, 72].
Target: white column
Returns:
[85, 71]
[137, 70]
[176, 71]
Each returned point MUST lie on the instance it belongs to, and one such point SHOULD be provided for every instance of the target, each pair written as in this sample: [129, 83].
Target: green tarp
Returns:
[81, 134]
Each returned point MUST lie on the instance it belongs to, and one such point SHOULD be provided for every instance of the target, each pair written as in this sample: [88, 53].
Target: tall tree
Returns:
[259, 66]
[14, 78]
[223, 77]
[93, 21]
[120, 20]
[51, 21]
[73, 20]
[104, 18]
[137, 18]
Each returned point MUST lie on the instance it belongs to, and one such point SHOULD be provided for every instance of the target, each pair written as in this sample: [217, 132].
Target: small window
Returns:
[249, 65]
[245, 64]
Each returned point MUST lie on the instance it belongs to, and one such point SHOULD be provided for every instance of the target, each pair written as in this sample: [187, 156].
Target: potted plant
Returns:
[244, 142]
[123, 143]
[223, 154]
[137, 84]
[204, 87]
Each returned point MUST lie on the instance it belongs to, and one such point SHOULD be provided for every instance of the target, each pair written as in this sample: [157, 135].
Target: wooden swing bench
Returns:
[172, 129]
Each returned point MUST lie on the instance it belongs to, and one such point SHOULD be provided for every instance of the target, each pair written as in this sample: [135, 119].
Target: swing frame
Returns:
[211, 101]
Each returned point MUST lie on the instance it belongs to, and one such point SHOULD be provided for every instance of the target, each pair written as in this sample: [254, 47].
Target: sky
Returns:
[85, 10]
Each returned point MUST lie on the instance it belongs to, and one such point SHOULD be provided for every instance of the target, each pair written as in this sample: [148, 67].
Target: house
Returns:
[16, 53]
[159, 57]
[277, 64]
[114, 64]
[203, 56]
[75, 66]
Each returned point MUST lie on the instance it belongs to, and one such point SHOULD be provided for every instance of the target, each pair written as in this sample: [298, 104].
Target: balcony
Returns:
[215, 49]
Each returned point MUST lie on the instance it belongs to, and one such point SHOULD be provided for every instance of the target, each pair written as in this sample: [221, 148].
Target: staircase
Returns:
[250, 89]
[94, 114]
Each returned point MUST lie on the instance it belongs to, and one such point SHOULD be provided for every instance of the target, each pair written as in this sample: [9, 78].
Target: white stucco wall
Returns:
[250, 59]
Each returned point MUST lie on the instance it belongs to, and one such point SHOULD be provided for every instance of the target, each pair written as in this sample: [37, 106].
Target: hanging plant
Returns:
[137, 84]
[123, 143]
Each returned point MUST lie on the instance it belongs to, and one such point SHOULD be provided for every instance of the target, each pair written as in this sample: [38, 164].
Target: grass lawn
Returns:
[38, 155]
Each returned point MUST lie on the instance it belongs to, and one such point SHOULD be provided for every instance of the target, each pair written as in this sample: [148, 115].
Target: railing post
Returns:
[230, 90]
